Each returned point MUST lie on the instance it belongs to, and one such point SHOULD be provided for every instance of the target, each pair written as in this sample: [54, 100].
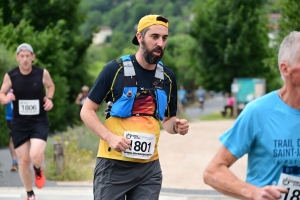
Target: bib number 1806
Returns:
[29, 107]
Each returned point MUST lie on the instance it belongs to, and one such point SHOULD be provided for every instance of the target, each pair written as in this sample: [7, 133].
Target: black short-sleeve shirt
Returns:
[109, 84]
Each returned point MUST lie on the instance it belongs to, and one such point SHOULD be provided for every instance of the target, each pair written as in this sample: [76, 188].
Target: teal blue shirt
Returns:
[268, 130]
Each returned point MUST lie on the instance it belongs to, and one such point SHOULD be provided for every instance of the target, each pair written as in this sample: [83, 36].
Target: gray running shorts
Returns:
[120, 180]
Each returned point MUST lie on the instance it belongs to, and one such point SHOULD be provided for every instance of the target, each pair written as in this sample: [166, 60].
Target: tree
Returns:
[290, 17]
[179, 57]
[232, 39]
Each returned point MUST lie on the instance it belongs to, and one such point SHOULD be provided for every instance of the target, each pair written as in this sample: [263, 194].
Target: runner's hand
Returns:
[269, 193]
[118, 143]
[48, 105]
[182, 126]
[9, 97]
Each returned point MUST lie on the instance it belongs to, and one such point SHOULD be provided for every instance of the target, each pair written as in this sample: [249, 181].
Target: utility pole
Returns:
[234, 91]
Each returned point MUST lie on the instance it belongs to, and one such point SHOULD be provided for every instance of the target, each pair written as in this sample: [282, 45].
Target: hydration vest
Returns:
[123, 106]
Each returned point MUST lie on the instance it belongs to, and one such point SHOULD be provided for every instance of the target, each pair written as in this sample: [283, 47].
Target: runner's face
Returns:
[85, 92]
[295, 75]
[154, 43]
[25, 59]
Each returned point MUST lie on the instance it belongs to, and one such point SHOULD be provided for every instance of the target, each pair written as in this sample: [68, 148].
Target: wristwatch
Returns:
[174, 129]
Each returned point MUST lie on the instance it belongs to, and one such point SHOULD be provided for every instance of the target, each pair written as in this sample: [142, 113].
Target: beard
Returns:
[148, 54]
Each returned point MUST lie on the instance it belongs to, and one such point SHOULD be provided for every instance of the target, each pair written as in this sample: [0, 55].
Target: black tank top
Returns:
[29, 92]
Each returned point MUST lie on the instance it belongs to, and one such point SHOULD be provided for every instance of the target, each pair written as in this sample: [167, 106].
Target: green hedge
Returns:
[4, 134]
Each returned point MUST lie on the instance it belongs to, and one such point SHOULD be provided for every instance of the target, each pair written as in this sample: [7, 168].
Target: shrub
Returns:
[80, 147]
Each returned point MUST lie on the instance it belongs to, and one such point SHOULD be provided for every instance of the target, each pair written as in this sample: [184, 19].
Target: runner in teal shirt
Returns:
[268, 132]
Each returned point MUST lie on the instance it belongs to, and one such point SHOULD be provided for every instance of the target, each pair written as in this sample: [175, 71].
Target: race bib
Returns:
[292, 184]
[29, 107]
[142, 145]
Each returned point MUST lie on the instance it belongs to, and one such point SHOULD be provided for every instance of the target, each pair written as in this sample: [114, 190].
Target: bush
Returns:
[80, 147]
[80, 151]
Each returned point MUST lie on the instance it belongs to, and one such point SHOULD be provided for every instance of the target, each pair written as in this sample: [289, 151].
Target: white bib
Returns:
[142, 145]
[292, 184]
[29, 107]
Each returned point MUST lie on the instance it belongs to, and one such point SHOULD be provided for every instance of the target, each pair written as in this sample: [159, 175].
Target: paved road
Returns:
[11, 187]
[210, 106]
[86, 193]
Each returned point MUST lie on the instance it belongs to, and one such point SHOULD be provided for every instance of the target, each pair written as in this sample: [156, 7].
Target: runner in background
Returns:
[81, 97]
[267, 130]
[9, 116]
[32, 90]
[201, 97]
[182, 97]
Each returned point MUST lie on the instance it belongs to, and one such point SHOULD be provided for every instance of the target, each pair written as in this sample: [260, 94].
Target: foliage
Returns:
[233, 41]
[124, 15]
[80, 149]
[78, 162]
[39, 16]
[7, 61]
[290, 17]
[179, 56]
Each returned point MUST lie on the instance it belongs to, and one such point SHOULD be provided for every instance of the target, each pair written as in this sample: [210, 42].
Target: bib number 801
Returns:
[141, 146]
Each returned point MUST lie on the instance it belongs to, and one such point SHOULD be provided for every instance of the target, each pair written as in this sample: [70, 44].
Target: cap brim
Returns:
[135, 41]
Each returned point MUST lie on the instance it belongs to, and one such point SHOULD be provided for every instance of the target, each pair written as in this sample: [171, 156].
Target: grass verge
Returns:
[80, 147]
[80, 150]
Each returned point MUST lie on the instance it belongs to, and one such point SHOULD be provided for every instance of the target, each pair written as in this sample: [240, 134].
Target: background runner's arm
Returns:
[50, 88]
[218, 175]
[79, 97]
[6, 85]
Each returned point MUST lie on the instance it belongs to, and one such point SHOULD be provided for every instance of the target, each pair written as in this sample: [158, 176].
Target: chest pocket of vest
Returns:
[161, 103]
[123, 106]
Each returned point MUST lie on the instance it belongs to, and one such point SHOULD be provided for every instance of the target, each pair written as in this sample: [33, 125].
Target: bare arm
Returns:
[181, 126]
[79, 97]
[6, 85]
[218, 176]
[89, 117]
[50, 88]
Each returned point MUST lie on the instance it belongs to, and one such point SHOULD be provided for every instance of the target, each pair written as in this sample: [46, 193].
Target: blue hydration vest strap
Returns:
[123, 106]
